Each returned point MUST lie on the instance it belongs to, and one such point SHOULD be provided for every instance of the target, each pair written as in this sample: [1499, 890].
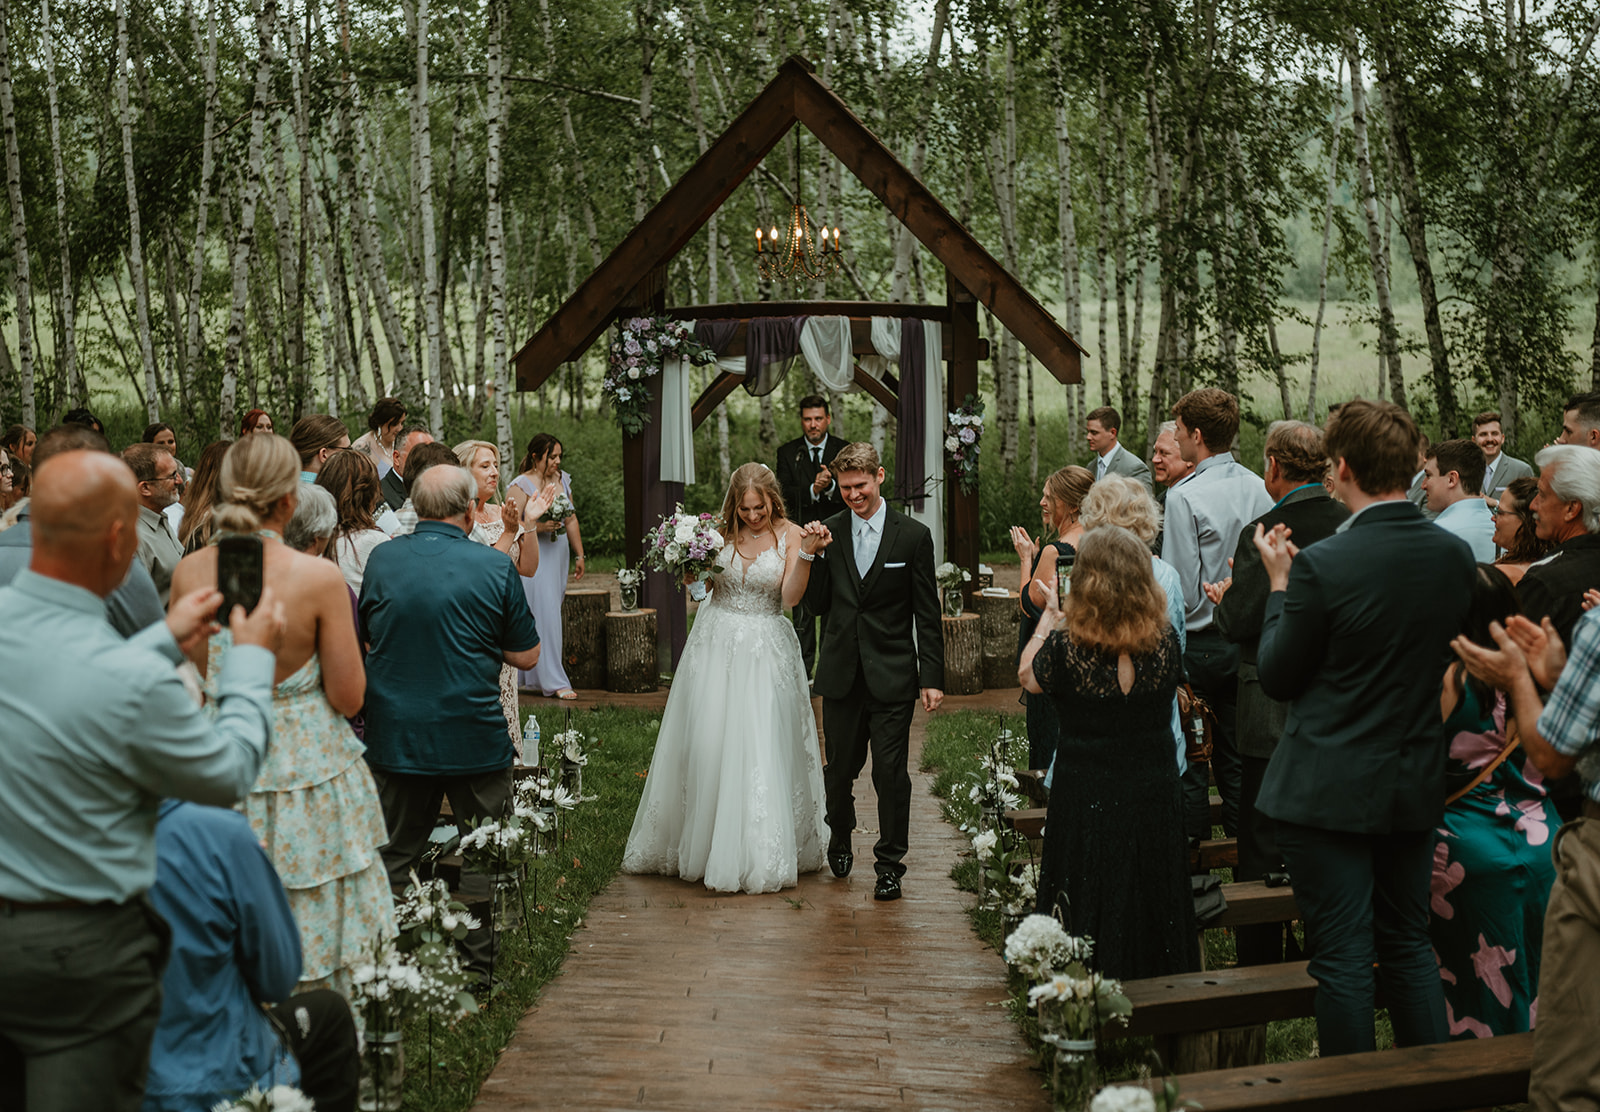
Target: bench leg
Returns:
[1242, 1046]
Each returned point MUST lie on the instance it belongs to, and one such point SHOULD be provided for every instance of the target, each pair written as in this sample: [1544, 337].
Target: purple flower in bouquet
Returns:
[967, 436]
[631, 346]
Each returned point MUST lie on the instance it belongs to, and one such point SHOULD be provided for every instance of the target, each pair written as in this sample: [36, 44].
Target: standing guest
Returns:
[1042, 563]
[1562, 737]
[1566, 511]
[1114, 866]
[352, 479]
[162, 436]
[256, 420]
[314, 807]
[7, 479]
[438, 639]
[1417, 492]
[1491, 856]
[157, 472]
[131, 606]
[811, 493]
[559, 541]
[1516, 533]
[1356, 638]
[1204, 515]
[82, 416]
[1111, 458]
[1580, 421]
[200, 497]
[228, 990]
[379, 442]
[1168, 467]
[82, 770]
[1297, 461]
[315, 437]
[393, 481]
[21, 483]
[424, 456]
[1499, 469]
[1453, 479]
[19, 440]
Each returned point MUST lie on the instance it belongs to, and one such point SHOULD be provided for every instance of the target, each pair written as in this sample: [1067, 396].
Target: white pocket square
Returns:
[899, 565]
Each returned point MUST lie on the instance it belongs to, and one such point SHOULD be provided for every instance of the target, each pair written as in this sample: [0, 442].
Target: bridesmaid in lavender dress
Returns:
[546, 589]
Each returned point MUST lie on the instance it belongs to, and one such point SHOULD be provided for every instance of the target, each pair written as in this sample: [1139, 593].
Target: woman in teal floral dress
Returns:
[314, 806]
[1491, 864]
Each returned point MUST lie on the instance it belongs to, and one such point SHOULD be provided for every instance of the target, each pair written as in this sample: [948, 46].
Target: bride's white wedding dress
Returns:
[734, 792]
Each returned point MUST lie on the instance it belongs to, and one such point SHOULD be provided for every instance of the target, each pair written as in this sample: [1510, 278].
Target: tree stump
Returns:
[583, 636]
[998, 618]
[963, 655]
[631, 663]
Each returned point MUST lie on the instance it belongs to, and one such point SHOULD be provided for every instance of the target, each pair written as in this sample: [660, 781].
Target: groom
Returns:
[870, 670]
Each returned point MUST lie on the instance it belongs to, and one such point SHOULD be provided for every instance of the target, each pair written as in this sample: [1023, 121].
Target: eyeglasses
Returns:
[1505, 513]
[165, 478]
[6, 469]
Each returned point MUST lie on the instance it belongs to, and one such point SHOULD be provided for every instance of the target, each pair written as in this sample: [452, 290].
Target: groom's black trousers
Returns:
[851, 727]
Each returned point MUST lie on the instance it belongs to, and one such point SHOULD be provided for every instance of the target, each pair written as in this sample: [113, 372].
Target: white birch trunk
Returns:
[365, 214]
[495, 234]
[19, 223]
[430, 261]
[1065, 217]
[68, 353]
[206, 48]
[141, 287]
[1387, 346]
[1327, 242]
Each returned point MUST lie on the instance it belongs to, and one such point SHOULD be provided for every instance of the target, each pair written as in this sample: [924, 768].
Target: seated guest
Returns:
[1491, 856]
[437, 640]
[1356, 637]
[1115, 865]
[82, 770]
[156, 471]
[201, 496]
[1296, 464]
[236, 957]
[1516, 532]
[83, 417]
[130, 608]
[393, 481]
[1566, 512]
[1453, 481]
[352, 479]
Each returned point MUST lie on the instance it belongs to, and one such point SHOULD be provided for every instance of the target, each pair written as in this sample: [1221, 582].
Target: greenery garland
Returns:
[641, 346]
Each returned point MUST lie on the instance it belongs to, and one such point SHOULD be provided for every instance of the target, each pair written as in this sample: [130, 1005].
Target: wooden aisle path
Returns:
[673, 997]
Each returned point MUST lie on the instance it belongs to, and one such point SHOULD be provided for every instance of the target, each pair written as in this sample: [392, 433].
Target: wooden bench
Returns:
[1472, 1073]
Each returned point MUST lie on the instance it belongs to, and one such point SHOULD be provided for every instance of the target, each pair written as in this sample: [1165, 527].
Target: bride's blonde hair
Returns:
[759, 478]
[257, 472]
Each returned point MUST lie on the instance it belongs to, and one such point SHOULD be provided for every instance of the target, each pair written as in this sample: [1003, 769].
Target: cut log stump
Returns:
[583, 636]
[998, 617]
[963, 655]
[631, 664]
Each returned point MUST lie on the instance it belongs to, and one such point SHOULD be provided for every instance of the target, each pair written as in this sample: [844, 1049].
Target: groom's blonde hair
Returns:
[859, 456]
[759, 478]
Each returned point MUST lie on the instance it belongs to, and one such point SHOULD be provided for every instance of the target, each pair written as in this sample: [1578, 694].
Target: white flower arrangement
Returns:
[1075, 1003]
[560, 509]
[279, 1098]
[1124, 1098]
[629, 577]
[1041, 947]
[570, 745]
[984, 843]
[394, 983]
[503, 845]
[948, 575]
[428, 913]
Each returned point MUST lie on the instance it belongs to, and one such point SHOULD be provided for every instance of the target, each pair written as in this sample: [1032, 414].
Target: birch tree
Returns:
[1327, 240]
[430, 260]
[67, 352]
[1388, 341]
[141, 286]
[494, 232]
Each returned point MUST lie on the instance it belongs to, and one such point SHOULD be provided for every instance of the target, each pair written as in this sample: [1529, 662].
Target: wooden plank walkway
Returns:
[673, 997]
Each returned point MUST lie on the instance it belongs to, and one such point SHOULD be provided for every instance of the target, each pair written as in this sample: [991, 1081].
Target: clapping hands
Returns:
[1277, 554]
[1524, 649]
[1215, 591]
[1025, 548]
[539, 505]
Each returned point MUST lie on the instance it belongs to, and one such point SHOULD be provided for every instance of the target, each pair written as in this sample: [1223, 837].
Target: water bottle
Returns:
[530, 743]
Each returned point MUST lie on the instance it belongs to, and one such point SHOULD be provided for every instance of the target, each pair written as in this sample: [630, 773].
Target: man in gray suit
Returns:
[1101, 430]
[1500, 470]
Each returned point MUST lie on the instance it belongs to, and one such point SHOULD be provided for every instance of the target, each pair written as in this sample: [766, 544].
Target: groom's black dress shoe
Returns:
[840, 860]
[888, 887]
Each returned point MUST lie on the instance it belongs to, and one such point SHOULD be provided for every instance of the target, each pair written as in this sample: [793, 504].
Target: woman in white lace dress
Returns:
[734, 792]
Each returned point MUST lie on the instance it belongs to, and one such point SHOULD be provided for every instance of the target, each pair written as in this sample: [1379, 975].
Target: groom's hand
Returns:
[931, 698]
[815, 537]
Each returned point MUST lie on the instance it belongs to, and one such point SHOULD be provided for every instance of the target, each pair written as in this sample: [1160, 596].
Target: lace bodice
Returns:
[750, 586]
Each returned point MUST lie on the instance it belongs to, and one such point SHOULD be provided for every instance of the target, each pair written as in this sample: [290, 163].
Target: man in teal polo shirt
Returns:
[440, 614]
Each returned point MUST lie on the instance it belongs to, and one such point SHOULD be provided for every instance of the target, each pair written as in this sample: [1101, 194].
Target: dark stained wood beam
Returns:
[712, 396]
[744, 309]
[879, 390]
[961, 527]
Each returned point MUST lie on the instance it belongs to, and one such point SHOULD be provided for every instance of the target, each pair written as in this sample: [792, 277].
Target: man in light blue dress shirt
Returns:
[1452, 478]
[97, 730]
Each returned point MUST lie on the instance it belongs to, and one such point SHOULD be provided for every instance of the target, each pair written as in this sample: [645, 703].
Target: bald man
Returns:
[98, 730]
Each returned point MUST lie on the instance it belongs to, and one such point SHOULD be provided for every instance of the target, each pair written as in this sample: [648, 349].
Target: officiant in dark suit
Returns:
[874, 580]
[1356, 638]
[810, 493]
[1296, 464]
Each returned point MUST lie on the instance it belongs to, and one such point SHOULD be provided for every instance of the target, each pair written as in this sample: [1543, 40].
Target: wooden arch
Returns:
[632, 281]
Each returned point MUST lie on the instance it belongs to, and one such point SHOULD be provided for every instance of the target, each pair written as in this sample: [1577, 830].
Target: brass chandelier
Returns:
[796, 255]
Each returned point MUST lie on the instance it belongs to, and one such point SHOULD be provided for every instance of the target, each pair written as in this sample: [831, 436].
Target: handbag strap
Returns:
[1488, 770]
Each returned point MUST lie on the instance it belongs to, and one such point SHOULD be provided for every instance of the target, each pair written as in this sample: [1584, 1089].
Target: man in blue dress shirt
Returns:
[98, 729]
[1452, 478]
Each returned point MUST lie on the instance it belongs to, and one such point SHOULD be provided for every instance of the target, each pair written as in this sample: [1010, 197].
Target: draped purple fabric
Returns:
[770, 345]
[716, 334]
[911, 435]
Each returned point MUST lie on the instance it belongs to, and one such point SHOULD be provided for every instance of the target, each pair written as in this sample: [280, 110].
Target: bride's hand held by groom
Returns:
[814, 537]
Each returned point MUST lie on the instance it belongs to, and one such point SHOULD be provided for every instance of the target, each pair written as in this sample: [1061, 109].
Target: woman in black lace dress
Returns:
[1114, 864]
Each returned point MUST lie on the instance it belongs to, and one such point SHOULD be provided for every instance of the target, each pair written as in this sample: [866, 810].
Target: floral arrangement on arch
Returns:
[963, 430]
[641, 346]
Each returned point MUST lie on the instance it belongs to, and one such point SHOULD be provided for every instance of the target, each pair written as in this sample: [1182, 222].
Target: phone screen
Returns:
[238, 574]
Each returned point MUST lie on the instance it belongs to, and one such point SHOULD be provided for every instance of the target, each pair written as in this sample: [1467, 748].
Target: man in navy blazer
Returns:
[1356, 638]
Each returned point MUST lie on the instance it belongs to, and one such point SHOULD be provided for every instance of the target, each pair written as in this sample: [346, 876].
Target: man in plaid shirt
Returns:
[1560, 736]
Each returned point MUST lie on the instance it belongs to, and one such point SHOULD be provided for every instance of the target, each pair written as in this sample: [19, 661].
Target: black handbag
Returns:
[1209, 902]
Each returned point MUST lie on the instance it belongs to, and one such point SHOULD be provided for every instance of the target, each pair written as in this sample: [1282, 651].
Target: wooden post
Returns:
[961, 534]
[583, 637]
[998, 619]
[631, 650]
[963, 655]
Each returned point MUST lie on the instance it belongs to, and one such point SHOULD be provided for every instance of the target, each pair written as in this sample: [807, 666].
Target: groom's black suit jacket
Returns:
[870, 620]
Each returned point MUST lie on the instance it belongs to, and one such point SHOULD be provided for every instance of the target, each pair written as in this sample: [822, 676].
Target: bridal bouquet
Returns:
[685, 544]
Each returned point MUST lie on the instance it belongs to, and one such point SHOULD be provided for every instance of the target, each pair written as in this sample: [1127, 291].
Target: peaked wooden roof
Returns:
[794, 96]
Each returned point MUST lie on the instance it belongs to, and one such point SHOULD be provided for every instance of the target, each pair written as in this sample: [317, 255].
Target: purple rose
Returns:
[967, 436]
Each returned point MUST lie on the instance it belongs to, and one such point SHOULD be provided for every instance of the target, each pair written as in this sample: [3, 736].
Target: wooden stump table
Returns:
[631, 664]
[963, 655]
[583, 636]
[998, 618]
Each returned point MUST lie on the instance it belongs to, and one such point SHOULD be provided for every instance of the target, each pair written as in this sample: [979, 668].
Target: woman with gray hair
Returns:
[314, 521]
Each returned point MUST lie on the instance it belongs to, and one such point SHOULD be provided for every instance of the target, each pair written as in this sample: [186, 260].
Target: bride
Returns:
[734, 792]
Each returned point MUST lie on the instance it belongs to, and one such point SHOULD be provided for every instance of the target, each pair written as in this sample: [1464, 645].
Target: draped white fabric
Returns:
[825, 342]
[677, 425]
[932, 512]
[886, 341]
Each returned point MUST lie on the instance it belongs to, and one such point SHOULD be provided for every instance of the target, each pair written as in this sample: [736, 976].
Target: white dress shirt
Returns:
[866, 534]
[1103, 464]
